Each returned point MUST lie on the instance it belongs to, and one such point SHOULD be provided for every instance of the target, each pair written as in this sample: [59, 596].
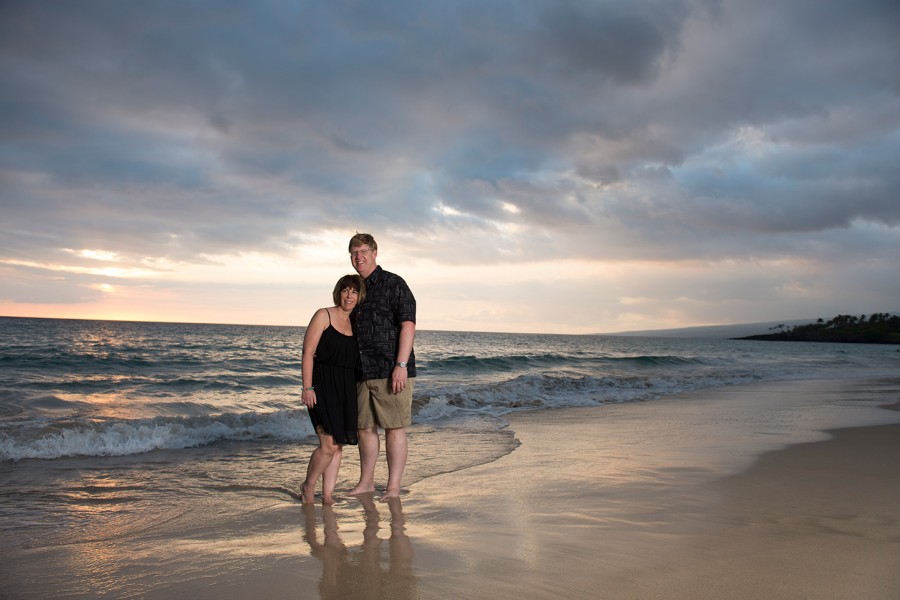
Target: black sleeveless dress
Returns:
[334, 377]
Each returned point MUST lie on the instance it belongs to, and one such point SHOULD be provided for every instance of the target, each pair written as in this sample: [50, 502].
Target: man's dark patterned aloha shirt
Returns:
[376, 324]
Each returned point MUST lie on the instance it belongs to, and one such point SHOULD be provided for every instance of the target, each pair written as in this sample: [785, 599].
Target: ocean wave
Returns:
[664, 360]
[548, 361]
[106, 388]
[48, 439]
[552, 358]
[139, 360]
[561, 390]
[44, 438]
[121, 437]
[491, 364]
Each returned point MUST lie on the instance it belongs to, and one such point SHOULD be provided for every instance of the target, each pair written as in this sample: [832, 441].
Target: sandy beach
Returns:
[568, 515]
[739, 492]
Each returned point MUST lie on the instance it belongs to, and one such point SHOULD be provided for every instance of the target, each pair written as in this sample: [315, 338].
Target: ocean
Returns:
[112, 428]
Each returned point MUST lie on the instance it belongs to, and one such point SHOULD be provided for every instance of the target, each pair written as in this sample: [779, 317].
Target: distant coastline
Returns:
[878, 328]
[719, 332]
[842, 329]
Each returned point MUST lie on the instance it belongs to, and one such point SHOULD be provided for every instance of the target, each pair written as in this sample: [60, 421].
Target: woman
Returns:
[329, 385]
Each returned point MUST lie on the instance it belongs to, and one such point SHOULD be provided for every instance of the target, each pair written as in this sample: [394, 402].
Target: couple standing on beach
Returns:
[358, 367]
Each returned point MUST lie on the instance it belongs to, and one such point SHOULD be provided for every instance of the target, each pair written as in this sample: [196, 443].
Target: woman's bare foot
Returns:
[307, 495]
[328, 500]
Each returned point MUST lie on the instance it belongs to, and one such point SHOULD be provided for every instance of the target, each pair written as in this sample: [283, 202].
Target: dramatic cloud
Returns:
[681, 161]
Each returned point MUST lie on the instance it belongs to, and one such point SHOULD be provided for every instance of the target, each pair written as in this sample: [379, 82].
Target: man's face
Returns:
[362, 258]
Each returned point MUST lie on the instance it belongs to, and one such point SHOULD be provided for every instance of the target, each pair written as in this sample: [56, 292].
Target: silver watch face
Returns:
[401, 364]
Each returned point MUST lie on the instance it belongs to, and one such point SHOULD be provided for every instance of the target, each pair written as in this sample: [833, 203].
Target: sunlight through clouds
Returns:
[95, 254]
[729, 162]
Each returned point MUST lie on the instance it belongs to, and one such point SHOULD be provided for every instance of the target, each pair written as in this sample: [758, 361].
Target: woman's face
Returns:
[349, 298]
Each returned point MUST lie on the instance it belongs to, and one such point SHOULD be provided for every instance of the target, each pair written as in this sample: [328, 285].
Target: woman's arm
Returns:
[314, 330]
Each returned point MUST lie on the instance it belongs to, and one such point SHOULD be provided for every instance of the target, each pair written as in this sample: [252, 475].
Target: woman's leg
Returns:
[330, 476]
[318, 462]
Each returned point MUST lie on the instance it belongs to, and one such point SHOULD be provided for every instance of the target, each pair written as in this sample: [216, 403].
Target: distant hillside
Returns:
[721, 332]
[878, 328]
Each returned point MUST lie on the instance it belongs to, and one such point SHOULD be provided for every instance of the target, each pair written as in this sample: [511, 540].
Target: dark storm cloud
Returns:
[178, 130]
[622, 42]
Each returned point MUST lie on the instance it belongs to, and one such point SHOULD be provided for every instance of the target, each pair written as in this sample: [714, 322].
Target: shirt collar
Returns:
[373, 276]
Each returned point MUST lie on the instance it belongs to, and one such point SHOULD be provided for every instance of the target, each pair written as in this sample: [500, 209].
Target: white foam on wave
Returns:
[548, 391]
[125, 437]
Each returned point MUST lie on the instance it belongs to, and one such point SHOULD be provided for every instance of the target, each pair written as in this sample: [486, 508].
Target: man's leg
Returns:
[369, 447]
[396, 447]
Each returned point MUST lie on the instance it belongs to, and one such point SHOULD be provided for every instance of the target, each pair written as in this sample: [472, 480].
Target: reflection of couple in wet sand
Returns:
[359, 573]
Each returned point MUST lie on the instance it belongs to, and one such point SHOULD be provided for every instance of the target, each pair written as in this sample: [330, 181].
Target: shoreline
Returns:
[739, 492]
[807, 513]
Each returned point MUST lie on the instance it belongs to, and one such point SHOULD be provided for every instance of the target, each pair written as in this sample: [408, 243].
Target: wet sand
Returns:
[587, 508]
[756, 491]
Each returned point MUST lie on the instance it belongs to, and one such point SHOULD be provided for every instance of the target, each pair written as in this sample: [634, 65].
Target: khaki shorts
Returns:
[378, 406]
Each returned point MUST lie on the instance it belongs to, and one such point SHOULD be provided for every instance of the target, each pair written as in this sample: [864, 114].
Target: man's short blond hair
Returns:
[362, 239]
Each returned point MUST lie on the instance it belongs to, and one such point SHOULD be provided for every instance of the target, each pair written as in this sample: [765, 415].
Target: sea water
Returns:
[108, 428]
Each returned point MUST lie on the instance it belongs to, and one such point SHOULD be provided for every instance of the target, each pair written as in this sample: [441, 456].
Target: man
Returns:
[385, 327]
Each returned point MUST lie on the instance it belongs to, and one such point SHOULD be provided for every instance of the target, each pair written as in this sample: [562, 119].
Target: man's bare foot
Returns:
[361, 489]
[328, 500]
[388, 494]
[307, 495]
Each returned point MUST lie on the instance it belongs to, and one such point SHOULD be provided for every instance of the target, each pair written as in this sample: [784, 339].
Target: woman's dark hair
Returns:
[354, 282]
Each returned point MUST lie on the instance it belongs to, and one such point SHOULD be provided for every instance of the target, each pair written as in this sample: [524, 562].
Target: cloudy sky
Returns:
[564, 166]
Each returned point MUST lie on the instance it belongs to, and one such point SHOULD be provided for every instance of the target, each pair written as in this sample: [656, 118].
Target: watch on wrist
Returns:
[401, 364]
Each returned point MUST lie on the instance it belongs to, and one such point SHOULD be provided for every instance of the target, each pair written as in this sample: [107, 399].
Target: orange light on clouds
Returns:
[560, 296]
[129, 272]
